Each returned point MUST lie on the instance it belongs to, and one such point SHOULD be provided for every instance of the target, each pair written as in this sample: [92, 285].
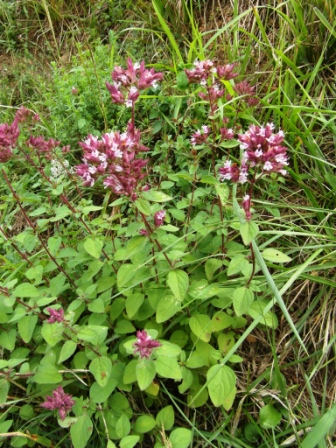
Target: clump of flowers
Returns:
[130, 81]
[264, 153]
[55, 315]
[59, 400]
[145, 344]
[59, 168]
[210, 77]
[114, 158]
[9, 134]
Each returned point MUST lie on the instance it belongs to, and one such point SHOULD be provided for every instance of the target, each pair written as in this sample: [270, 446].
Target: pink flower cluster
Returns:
[55, 315]
[114, 157]
[263, 153]
[209, 77]
[43, 146]
[129, 82]
[159, 218]
[10, 133]
[200, 136]
[263, 150]
[205, 70]
[145, 344]
[59, 400]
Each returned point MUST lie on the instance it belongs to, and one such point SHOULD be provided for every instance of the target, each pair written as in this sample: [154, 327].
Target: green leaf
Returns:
[144, 423]
[26, 290]
[47, 374]
[129, 441]
[223, 192]
[93, 247]
[165, 418]
[269, 319]
[8, 339]
[200, 325]
[4, 388]
[101, 368]
[26, 327]
[275, 256]
[248, 231]
[156, 196]
[220, 321]
[130, 370]
[221, 381]
[168, 368]
[237, 264]
[81, 431]
[68, 349]
[211, 266]
[52, 333]
[123, 426]
[143, 206]
[125, 274]
[135, 245]
[242, 299]
[178, 282]
[167, 307]
[168, 349]
[180, 438]
[269, 417]
[133, 303]
[100, 394]
[97, 306]
[145, 373]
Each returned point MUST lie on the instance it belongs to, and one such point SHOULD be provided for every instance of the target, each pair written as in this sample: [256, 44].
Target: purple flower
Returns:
[201, 72]
[59, 400]
[159, 218]
[114, 158]
[263, 148]
[227, 134]
[246, 204]
[128, 82]
[145, 344]
[226, 72]
[55, 315]
[200, 136]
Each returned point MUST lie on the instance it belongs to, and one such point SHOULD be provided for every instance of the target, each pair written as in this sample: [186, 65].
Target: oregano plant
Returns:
[132, 272]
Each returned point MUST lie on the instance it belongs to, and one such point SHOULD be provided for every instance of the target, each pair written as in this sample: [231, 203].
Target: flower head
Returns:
[114, 158]
[130, 81]
[159, 218]
[55, 315]
[59, 400]
[145, 344]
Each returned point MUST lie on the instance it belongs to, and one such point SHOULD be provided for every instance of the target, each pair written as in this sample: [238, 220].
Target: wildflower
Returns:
[128, 82]
[143, 232]
[226, 134]
[231, 171]
[201, 72]
[246, 204]
[114, 158]
[43, 146]
[226, 72]
[55, 315]
[59, 400]
[159, 218]
[145, 344]
[200, 136]
[264, 148]
[58, 168]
